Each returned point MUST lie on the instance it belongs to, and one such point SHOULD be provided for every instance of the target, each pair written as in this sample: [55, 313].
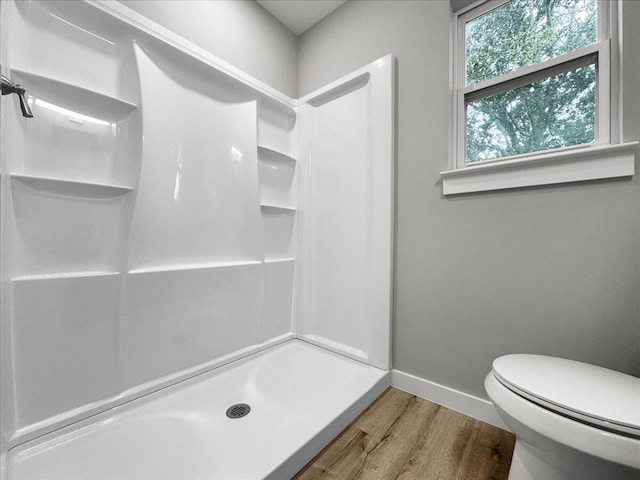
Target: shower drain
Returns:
[238, 410]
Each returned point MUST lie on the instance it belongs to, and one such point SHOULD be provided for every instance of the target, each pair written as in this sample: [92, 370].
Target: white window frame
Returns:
[603, 158]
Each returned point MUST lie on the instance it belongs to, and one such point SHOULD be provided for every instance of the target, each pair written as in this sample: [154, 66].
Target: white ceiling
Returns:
[299, 15]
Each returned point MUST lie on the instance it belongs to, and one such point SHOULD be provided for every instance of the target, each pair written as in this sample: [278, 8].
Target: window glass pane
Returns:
[554, 112]
[524, 32]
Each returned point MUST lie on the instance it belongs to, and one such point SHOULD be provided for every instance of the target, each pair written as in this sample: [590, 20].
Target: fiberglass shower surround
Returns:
[165, 215]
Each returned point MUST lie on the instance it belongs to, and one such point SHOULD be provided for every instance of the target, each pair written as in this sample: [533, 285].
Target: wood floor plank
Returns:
[434, 455]
[487, 453]
[388, 457]
[404, 437]
[344, 457]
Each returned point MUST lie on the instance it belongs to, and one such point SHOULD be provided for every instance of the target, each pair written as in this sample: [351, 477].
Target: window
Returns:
[533, 82]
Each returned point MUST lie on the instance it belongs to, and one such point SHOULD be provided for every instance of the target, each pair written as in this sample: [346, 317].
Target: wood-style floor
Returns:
[401, 436]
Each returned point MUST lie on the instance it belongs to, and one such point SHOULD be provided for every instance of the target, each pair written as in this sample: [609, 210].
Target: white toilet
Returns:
[572, 421]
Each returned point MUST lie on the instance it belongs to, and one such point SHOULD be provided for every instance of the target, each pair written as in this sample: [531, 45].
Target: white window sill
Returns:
[575, 165]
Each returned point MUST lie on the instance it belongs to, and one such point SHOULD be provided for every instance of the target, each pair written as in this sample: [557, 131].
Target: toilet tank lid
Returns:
[585, 392]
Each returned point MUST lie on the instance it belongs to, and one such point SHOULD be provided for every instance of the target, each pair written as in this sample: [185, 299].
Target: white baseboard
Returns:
[475, 407]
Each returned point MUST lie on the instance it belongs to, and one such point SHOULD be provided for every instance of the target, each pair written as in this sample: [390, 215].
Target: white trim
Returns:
[603, 116]
[459, 79]
[453, 69]
[615, 79]
[603, 17]
[470, 7]
[534, 72]
[563, 166]
[470, 405]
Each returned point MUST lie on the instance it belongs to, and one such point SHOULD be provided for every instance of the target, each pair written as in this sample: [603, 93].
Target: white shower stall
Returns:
[177, 238]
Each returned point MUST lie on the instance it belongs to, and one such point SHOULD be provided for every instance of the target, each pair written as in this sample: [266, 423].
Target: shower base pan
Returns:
[300, 396]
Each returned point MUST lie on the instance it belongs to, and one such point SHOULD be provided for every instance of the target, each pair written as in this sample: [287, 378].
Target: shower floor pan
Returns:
[300, 396]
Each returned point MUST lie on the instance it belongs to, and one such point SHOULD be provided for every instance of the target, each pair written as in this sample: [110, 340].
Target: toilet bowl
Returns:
[571, 420]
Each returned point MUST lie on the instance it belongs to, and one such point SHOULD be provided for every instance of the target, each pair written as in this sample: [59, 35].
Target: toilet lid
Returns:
[587, 393]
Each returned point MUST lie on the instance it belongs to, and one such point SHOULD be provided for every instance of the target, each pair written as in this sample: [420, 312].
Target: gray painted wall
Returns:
[551, 270]
[240, 32]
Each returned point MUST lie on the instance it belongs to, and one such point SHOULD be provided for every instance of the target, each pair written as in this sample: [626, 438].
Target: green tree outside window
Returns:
[551, 112]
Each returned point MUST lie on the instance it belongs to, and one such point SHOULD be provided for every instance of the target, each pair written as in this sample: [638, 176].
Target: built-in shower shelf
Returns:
[64, 275]
[276, 209]
[266, 153]
[86, 101]
[76, 188]
[193, 266]
[279, 260]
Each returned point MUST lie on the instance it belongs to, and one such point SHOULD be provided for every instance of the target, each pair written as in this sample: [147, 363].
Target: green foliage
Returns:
[553, 112]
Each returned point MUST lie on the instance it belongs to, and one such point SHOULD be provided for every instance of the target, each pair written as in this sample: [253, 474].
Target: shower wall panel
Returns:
[277, 299]
[198, 199]
[68, 187]
[346, 210]
[65, 344]
[176, 320]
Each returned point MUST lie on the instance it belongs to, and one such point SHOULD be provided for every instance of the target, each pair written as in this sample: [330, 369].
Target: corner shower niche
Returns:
[278, 195]
[278, 191]
[165, 216]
